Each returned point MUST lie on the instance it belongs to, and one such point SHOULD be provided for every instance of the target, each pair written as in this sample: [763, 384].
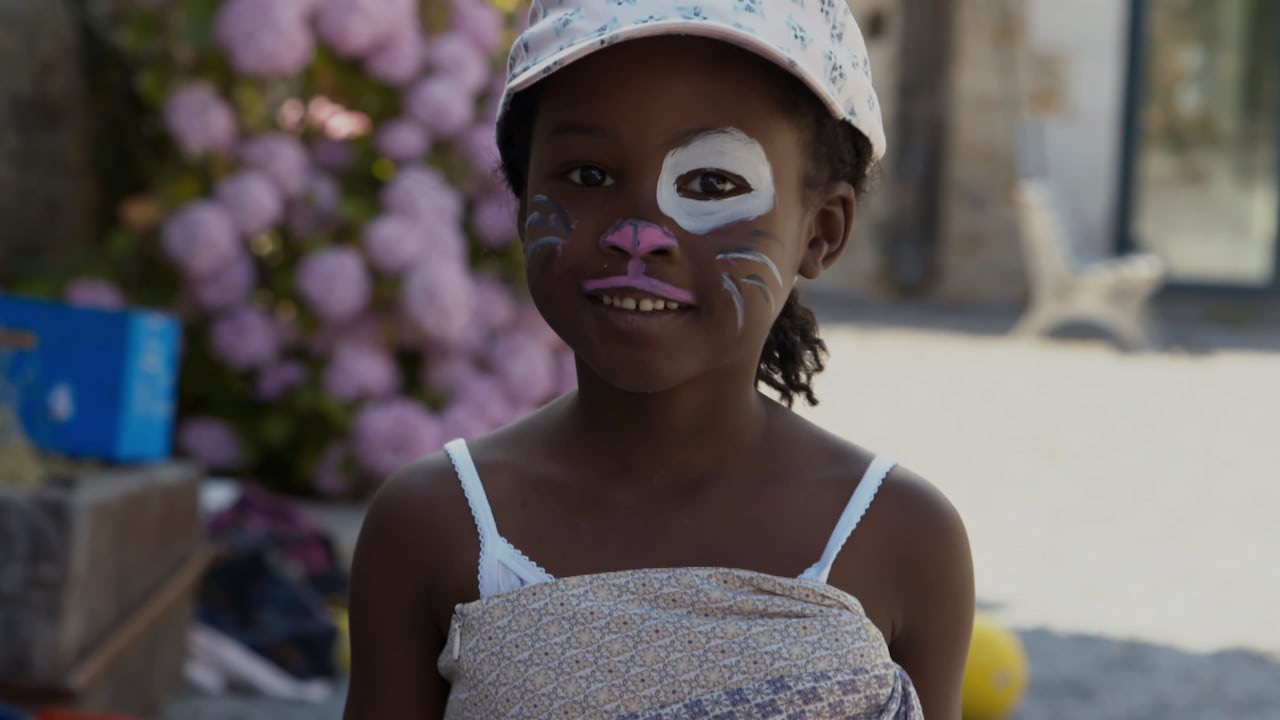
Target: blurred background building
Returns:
[1158, 120]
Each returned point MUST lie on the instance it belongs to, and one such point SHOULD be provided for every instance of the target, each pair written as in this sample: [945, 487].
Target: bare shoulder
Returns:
[930, 571]
[420, 528]
[929, 530]
[405, 577]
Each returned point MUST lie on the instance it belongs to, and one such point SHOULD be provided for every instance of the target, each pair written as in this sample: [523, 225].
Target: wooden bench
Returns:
[1112, 294]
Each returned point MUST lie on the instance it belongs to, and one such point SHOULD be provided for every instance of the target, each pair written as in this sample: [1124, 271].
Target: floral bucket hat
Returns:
[818, 41]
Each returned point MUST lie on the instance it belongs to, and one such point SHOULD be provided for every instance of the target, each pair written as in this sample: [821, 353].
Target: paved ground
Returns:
[1122, 507]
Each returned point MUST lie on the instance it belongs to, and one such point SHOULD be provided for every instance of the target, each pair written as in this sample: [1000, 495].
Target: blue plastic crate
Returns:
[90, 383]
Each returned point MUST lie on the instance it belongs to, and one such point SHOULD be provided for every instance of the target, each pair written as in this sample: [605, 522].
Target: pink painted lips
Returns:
[642, 283]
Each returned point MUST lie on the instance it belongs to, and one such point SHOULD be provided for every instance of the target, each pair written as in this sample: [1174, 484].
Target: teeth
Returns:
[641, 305]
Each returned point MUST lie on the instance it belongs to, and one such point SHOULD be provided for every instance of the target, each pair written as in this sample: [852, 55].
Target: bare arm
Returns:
[936, 600]
[394, 639]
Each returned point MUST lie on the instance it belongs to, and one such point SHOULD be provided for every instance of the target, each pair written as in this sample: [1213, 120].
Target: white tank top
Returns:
[504, 568]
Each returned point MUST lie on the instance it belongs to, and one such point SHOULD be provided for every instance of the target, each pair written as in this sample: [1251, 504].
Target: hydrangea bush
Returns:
[328, 220]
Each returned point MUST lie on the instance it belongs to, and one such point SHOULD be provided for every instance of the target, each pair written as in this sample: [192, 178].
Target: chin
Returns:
[638, 375]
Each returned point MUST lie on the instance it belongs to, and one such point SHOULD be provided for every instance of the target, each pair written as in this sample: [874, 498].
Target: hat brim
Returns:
[710, 30]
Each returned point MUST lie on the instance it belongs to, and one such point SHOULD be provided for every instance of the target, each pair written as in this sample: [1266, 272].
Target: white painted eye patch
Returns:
[729, 152]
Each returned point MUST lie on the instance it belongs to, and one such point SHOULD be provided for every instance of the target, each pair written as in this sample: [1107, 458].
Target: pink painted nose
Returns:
[638, 238]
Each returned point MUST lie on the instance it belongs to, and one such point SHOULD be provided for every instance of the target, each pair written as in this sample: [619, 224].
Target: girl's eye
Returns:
[710, 185]
[590, 176]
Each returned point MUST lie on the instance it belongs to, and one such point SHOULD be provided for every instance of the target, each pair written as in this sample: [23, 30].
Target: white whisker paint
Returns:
[729, 151]
[737, 299]
[753, 256]
[758, 282]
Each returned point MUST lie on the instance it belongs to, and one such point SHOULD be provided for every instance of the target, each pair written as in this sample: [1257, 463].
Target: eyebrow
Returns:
[570, 127]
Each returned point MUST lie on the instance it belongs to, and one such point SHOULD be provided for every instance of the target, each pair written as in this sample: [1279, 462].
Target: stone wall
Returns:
[940, 222]
[46, 167]
[978, 254]
[860, 269]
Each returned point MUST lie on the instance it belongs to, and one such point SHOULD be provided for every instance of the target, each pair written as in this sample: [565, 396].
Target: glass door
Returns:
[1204, 173]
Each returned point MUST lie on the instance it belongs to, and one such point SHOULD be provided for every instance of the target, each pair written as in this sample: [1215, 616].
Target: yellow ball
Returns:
[342, 651]
[996, 675]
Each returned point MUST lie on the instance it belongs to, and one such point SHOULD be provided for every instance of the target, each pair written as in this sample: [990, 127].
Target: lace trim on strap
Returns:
[853, 512]
[486, 526]
[495, 550]
[532, 567]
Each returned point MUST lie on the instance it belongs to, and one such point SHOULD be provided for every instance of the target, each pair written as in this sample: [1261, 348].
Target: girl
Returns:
[669, 542]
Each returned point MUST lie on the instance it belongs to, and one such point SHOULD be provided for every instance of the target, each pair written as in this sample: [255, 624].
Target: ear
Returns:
[830, 229]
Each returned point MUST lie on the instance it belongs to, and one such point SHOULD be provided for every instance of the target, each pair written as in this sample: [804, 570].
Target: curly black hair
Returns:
[794, 352]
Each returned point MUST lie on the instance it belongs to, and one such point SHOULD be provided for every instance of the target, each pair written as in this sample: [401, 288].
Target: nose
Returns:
[639, 238]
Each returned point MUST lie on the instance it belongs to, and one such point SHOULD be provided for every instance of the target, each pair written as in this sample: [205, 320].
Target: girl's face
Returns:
[666, 216]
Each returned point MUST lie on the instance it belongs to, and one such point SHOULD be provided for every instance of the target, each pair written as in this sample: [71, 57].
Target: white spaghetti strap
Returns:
[470, 479]
[465, 468]
[853, 512]
[502, 566]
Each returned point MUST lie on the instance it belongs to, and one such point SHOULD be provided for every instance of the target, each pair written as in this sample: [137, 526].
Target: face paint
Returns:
[736, 294]
[758, 282]
[556, 214]
[554, 218]
[753, 256]
[639, 239]
[730, 152]
[753, 279]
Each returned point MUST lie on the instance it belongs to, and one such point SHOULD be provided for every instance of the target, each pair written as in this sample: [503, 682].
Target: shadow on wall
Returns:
[1082, 676]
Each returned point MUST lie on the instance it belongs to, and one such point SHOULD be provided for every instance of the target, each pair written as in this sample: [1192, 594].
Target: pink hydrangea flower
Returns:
[332, 478]
[265, 38]
[334, 283]
[480, 146]
[442, 105]
[525, 365]
[280, 157]
[443, 370]
[402, 140]
[200, 238]
[481, 22]
[493, 218]
[389, 434]
[360, 370]
[439, 297]
[211, 442]
[495, 309]
[394, 242]
[94, 293]
[253, 200]
[316, 208]
[367, 329]
[278, 380]
[424, 194]
[355, 28]
[244, 338]
[531, 321]
[485, 395]
[200, 121]
[399, 59]
[456, 58]
[227, 286]
[335, 155]
[477, 406]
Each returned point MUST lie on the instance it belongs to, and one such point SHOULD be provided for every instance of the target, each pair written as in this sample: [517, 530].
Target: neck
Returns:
[675, 434]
